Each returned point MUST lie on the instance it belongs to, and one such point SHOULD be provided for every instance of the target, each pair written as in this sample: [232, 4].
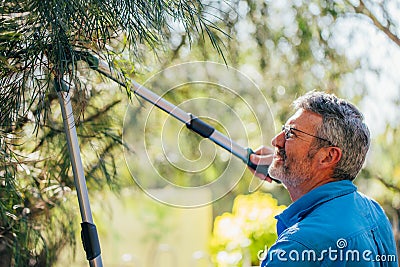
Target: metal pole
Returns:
[89, 233]
[192, 122]
[187, 118]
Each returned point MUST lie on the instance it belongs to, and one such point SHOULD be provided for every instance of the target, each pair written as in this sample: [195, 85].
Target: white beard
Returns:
[290, 172]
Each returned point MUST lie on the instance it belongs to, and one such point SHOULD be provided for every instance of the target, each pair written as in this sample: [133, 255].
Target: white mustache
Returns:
[281, 153]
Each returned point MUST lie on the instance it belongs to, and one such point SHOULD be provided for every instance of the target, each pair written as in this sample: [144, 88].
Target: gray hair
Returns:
[343, 126]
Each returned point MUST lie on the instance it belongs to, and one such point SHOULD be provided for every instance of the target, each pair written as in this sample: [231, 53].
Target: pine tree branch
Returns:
[101, 112]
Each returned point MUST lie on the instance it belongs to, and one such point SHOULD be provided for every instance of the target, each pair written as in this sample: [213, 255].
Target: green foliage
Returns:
[27, 223]
[43, 39]
[37, 185]
[250, 227]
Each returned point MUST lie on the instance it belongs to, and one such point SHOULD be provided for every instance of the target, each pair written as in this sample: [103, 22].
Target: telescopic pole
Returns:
[89, 234]
[193, 123]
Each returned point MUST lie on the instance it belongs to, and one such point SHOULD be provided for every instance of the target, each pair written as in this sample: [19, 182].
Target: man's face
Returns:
[292, 163]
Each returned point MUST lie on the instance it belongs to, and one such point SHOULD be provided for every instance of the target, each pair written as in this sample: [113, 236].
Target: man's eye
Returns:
[290, 134]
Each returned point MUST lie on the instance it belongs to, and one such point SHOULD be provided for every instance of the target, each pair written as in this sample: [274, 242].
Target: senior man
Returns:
[317, 155]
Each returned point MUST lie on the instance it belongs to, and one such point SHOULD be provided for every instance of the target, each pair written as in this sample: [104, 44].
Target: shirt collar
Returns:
[304, 205]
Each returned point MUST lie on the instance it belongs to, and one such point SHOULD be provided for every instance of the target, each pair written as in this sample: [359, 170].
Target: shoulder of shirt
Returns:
[342, 217]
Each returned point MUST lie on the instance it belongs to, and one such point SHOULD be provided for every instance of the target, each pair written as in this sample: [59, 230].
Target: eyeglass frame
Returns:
[287, 128]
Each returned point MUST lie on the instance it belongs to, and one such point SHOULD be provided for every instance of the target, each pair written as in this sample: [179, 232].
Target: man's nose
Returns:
[279, 140]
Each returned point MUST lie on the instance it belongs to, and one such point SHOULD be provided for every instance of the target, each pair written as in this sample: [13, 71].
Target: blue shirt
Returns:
[333, 225]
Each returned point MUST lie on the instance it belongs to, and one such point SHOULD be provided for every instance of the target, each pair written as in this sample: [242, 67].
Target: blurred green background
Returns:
[285, 48]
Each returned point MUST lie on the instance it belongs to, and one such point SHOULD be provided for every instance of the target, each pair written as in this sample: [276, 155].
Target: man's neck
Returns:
[299, 191]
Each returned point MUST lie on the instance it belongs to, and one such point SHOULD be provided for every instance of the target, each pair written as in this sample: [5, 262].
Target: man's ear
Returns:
[330, 155]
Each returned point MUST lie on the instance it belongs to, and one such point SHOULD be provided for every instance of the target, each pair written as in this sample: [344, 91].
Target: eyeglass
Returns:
[289, 133]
